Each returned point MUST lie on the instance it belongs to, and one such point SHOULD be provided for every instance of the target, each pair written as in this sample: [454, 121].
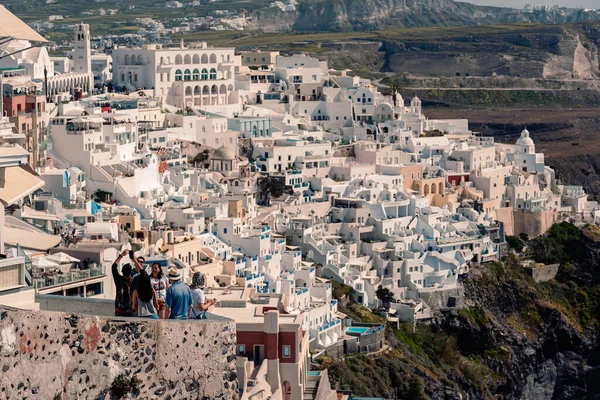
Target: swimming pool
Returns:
[357, 330]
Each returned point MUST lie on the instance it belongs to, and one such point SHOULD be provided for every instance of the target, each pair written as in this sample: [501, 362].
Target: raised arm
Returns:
[115, 267]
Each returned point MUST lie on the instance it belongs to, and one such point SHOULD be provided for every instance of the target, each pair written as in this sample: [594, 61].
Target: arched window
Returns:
[187, 75]
[178, 75]
[187, 59]
[213, 58]
[188, 91]
[222, 89]
[196, 59]
[178, 59]
[127, 59]
[205, 90]
[195, 74]
[204, 75]
[204, 59]
[213, 74]
[197, 91]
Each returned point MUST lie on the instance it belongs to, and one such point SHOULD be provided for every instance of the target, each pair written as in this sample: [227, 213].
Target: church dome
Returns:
[525, 140]
[223, 153]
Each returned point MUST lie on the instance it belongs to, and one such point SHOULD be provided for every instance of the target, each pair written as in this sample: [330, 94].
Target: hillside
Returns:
[306, 16]
[515, 339]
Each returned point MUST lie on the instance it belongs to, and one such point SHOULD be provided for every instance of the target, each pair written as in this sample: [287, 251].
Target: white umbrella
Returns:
[63, 258]
[43, 263]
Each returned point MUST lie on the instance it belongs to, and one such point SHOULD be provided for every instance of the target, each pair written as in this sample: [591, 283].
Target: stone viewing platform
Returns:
[53, 355]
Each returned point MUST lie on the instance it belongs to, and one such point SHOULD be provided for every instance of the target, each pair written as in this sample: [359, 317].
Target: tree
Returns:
[385, 295]
[394, 91]
[515, 243]
[415, 389]
[269, 187]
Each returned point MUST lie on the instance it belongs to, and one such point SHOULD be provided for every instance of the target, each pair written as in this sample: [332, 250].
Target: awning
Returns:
[29, 238]
[341, 315]
[43, 263]
[13, 27]
[16, 183]
[62, 258]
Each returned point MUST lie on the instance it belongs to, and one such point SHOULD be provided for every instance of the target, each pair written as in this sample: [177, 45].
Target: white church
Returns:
[22, 48]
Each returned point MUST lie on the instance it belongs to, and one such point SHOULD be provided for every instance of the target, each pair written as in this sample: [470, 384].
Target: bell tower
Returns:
[82, 54]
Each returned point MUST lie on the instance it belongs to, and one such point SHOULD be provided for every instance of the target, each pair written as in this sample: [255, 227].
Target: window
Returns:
[286, 351]
[178, 75]
[241, 349]
[196, 74]
[187, 75]
[213, 74]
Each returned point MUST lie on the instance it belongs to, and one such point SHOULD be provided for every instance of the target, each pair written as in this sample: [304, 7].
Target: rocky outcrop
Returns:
[45, 355]
[539, 352]
[358, 15]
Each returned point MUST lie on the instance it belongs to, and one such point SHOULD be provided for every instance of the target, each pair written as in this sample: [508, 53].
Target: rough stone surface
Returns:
[44, 354]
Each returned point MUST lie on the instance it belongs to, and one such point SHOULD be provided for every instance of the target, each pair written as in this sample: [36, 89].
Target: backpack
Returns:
[123, 303]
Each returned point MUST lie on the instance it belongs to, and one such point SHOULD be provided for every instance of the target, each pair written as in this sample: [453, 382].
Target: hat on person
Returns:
[198, 280]
[174, 274]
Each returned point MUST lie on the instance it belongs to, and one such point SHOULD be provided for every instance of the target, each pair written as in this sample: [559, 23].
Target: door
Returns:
[259, 354]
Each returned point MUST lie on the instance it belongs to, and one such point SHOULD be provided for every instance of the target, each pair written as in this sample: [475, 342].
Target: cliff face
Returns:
[45, 355]
[548, 51]
[356, 15]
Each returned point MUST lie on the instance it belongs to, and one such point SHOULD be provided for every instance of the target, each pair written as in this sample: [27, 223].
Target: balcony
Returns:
[42, 282]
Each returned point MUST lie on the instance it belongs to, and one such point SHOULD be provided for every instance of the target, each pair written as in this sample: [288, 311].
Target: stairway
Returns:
[254, 372]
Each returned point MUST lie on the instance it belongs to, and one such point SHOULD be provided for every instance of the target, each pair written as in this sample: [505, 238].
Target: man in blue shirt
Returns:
[179, 296]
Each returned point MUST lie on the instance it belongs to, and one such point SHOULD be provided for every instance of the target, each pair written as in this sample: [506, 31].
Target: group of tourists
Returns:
[150, 294]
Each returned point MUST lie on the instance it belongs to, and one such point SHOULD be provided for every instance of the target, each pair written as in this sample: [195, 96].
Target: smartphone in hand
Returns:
[131, 254]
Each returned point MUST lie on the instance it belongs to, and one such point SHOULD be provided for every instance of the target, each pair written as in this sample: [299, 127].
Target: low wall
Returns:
[76, 305]
[46, 354]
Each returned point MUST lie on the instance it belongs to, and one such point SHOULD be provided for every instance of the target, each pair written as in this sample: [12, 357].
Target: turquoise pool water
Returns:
[357, 329]
[313, 373]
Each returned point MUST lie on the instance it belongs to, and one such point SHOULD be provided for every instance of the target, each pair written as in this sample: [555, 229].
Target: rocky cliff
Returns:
[355, 15]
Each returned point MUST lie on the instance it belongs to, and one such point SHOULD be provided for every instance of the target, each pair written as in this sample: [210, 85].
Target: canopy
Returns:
[43, 263]
[13, 27]
[63, 258]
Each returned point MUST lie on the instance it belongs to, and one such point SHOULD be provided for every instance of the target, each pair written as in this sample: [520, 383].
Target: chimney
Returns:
[272, 348]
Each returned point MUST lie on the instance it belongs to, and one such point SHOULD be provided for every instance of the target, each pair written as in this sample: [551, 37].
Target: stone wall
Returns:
[45, 355]
[543, 274]
[368, 342]
[440, 299]
[533, 223]
[335, 350]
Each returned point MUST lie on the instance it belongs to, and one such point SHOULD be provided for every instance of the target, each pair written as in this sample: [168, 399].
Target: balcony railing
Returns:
[70, 277]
